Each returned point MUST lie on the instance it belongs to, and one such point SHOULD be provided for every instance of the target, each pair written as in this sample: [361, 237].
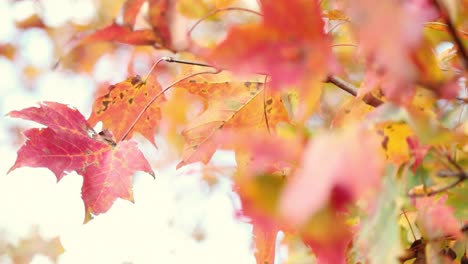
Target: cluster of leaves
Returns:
[348, 171]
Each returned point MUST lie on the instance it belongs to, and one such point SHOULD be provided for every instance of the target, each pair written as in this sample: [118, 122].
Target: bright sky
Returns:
[168, 211]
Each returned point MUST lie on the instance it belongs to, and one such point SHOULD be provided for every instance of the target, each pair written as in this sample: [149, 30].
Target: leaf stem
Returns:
[340, 83]
[189, 33]
[171, 59]
[264, 104]
[451, 28]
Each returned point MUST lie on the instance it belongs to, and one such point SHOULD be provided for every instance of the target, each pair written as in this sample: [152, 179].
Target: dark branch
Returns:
[461, 177]
[453, 31]
[352, 90]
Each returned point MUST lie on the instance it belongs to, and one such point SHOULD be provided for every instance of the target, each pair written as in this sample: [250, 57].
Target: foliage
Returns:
[346, 118]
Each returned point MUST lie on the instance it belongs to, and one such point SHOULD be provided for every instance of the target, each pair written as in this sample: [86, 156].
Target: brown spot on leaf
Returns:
[105, 104]
[385, 142]
[192, 81]
[247, 84]
[130, 101]
[269, 101]
[135, 80]
[121, 95]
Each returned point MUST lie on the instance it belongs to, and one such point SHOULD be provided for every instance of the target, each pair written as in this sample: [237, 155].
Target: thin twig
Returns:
[340, 83]
[453, 31]
[171, 59]
[189, 32]
[343, 85]
[352, 90]
[161, 93]
[409, 224]
[440, 190]
[264, 104]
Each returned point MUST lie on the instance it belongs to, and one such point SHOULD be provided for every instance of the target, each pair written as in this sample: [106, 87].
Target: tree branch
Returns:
[461, 177]
[451, 28]
[352, 90]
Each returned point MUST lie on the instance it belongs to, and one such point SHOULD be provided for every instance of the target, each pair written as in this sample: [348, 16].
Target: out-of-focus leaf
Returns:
[289, 44]
[378, 238]
[236, 106]
[351, 170]
[435, 219]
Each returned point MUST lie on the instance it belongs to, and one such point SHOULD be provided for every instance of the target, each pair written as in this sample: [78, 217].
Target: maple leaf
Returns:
[264, 236]
[289, 44]
[233, 105]
[435, 218]
[159, 19]
[388, 33]
[68, 143]
[159, 35]
[131, 8]
[339, 167]
[123, 103]
[200, 8]
[123, 34]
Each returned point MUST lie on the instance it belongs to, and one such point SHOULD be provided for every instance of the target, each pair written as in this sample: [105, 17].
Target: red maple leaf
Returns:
[289, 44]
[68, 143]
[159, 35]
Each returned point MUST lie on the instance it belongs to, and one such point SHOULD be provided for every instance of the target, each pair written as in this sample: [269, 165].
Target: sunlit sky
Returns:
[168, 212]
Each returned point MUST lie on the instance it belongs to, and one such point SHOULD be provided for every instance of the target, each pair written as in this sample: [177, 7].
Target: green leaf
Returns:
[379, 238]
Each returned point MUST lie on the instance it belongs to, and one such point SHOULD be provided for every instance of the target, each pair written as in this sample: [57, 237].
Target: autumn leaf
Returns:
[200, 8]
[123, 103]
[394, 143]
[390, 51]
[159, 18]
[68, 143]
[131, 8]
[235, 106]
[289, 44]
[122, 34]
[378, 239]
[25, 249]
[340, 166]
[436, 219]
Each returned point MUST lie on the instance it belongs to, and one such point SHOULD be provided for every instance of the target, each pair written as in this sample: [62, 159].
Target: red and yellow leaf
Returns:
[237, 106]
[289, 44]
[68, 143]
[159, 18]
[122, 34]
[121, 106]
[131, 8]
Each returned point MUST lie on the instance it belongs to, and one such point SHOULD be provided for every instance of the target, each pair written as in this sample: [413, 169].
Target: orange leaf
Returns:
[122, 34]
[159, 20]
[289, 44]
[130, 11]
[235, 106]
[70, 144]
[264, 236]
[120, 107]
